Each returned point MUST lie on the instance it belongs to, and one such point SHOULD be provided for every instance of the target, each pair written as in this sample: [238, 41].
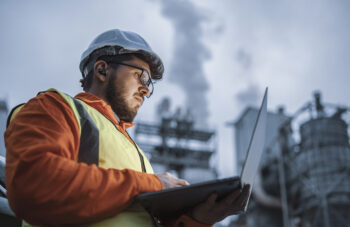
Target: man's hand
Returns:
[212, 211]
[170, 181]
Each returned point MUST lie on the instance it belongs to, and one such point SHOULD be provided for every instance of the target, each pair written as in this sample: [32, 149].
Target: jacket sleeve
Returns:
[45, 183]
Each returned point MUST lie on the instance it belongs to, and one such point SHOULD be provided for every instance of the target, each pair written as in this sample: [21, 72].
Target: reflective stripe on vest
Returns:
[89, 133]
[89, 137]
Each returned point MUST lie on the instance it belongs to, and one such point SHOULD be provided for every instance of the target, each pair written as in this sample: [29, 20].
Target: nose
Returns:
[144, 91]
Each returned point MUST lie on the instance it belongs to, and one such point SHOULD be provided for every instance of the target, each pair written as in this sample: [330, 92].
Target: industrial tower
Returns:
[304, 177]
[174, 143]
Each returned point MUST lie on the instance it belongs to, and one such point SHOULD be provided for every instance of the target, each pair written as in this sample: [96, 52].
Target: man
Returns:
[70, 161]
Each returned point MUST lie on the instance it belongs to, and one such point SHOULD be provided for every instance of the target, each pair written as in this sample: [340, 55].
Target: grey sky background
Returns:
[219, 55]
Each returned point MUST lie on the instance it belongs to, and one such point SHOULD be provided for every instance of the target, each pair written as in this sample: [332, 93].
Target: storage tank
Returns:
[319, 176]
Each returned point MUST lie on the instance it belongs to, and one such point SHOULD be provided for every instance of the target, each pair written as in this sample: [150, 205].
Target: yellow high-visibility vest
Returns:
[103, 144]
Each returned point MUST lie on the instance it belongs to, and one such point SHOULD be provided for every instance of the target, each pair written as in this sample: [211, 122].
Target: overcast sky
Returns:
[219, 55]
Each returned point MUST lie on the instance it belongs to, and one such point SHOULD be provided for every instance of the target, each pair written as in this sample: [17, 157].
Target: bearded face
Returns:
[124, 90]
[116, 95]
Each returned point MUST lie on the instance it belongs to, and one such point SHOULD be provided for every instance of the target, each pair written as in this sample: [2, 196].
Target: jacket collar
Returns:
[105, 109]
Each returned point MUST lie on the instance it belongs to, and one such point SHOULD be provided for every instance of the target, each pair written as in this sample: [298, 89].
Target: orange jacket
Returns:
[45, 183]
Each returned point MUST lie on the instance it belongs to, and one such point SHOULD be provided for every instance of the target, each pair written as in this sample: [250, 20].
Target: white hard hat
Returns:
[117, 42]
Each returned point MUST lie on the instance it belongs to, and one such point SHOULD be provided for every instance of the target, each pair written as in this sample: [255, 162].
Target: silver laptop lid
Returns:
[256, 146]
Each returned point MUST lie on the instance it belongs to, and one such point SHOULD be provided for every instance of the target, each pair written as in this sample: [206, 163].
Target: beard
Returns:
[114, 95]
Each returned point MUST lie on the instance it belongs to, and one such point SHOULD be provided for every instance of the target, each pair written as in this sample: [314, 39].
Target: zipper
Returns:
[141, 156]
[143, 167]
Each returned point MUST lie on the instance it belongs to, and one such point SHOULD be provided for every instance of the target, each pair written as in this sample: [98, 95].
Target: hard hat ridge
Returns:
[117, 42]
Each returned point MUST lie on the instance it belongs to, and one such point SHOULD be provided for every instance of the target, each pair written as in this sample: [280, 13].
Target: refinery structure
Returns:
[304, 177]
[174, 143]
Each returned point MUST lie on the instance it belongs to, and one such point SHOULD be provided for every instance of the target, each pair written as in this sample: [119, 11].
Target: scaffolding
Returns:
[175, 144]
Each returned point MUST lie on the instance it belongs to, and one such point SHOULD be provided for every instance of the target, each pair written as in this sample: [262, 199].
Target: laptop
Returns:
[173, 202]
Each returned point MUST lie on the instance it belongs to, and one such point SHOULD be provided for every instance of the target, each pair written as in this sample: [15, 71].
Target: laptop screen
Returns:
[256, 145]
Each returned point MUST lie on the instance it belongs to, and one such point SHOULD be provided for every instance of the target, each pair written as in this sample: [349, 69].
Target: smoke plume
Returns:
[189, 55]
[249, 96]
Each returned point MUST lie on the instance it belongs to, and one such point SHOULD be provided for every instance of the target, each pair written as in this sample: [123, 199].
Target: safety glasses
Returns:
[144, 76]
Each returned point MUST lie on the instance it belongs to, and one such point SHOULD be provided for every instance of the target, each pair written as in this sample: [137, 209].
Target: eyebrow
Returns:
[134, 66]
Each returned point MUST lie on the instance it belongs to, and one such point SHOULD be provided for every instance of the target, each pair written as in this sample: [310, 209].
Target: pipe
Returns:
[262, 196]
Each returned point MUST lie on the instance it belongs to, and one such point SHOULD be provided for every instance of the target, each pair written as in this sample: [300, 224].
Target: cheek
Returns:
[126, 85]
[121, 86]
[131, 86]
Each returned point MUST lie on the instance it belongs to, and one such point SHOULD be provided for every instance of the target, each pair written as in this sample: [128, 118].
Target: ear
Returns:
[100, 71]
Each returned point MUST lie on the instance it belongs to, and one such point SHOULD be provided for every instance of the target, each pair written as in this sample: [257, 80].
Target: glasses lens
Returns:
[150, 88]
[146, 80]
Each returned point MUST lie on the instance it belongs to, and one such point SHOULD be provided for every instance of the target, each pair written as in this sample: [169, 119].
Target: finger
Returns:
[180, 182]
[246, 190]
[232, 197]
[243, 198]
[239, 205]
[184, 182]
[235, 211]
[212, 199]
[167, 174]
[236, 200]
[246, 187]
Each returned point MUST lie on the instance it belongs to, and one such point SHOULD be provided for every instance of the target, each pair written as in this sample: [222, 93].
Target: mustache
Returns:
[140, 95]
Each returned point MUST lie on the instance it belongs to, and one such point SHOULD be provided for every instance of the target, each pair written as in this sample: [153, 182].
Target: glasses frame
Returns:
[148, 84]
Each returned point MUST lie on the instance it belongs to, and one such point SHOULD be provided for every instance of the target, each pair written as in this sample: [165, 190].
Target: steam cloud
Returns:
[189, 56]
[250, 96]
